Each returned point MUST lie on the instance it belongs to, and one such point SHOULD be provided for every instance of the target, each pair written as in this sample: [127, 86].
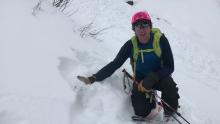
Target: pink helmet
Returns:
[141, 15]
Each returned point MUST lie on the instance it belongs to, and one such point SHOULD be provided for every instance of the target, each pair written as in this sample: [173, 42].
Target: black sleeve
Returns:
[119, 60]
[167, 59]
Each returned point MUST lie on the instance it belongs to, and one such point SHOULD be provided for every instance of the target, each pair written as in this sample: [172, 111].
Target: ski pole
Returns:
[125, 72]
[172, 108]
[175, 118]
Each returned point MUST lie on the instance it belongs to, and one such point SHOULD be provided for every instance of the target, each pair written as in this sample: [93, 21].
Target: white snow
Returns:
[42, 52]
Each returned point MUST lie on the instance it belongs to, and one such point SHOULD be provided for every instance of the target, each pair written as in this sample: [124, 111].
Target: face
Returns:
[142, 31]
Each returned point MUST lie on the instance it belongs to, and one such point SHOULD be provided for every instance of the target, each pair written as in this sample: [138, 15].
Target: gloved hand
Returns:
[87, 80]
[148, 92]
[141, 88]
[150, 80]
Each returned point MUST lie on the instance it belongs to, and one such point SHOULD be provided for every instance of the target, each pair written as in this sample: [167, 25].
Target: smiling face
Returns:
[142, 30]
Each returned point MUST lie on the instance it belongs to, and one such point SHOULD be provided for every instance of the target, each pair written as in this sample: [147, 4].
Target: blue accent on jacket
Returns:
[152, 64]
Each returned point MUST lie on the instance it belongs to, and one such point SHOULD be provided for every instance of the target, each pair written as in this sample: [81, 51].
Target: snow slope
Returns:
[42, 52]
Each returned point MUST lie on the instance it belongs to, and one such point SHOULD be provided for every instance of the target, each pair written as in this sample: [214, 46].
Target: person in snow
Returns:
[152, 63]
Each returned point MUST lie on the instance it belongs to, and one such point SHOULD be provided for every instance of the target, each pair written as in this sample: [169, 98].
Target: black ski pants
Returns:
[142, 106]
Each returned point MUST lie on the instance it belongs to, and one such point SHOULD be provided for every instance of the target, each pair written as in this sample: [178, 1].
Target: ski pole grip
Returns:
[126, 73]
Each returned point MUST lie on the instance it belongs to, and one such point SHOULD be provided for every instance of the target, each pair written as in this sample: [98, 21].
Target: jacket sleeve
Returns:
[119, 60]
[167, 59]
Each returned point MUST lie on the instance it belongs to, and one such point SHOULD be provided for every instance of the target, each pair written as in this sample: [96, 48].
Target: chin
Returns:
[143, 37]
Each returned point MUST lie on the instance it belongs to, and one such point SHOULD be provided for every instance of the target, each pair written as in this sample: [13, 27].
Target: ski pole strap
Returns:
[127, 85]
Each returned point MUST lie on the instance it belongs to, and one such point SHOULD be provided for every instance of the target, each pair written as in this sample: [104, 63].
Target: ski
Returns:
[141, 119]
[138, 118]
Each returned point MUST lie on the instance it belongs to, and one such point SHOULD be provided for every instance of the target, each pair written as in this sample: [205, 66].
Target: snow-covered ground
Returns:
[42, 51]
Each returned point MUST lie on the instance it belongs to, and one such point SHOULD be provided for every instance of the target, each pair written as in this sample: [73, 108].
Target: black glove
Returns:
[142, 89]
[87, 80]
[150, 80]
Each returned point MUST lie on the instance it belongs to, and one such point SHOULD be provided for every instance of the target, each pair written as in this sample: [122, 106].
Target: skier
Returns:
[152, 63]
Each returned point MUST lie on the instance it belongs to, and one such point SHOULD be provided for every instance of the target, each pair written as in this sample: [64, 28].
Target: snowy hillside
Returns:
[43, 49]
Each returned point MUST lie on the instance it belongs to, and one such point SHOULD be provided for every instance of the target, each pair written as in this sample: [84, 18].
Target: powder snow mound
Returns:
[11, 117]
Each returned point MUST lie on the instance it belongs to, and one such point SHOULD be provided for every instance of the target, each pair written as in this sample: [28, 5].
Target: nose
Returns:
[142, 30]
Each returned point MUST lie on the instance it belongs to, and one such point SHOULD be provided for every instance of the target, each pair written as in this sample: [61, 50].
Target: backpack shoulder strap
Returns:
[135, 54]
[156, 43]
[135, 47]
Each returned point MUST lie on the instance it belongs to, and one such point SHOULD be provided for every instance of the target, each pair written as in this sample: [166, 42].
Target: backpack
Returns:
[156, 48]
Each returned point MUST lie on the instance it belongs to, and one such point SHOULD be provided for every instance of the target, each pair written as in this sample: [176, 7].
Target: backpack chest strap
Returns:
[143, 51]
